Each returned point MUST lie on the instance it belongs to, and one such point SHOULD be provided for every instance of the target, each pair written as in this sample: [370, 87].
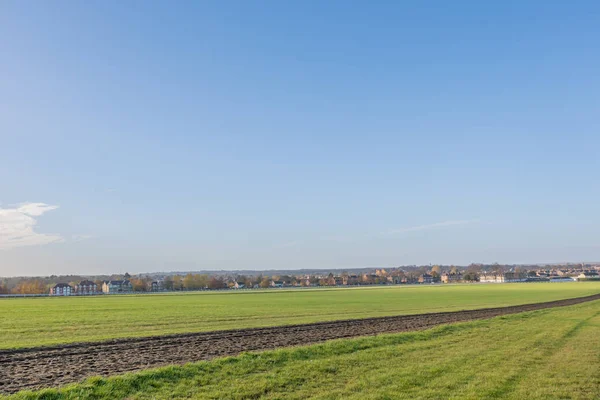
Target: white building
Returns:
[501, 277]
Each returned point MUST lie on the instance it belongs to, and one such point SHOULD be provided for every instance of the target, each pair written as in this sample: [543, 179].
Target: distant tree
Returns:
[127, 276]
[475, 268]
[189, 282]
[139, 284]
[423, 269]
[195, 281]
[471, 276]
[177, 283]
[497, 268]
[249, 282]
[436, 273]
[453, 269]
[202, 280]
[30, 286]
[412, 275]
[168, 283]
[216, 283]
[265, 283]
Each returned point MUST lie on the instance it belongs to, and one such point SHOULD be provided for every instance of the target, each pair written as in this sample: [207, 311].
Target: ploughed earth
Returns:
[40, 367]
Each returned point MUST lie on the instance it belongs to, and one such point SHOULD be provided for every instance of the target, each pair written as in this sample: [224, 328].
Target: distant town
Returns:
[72, 285]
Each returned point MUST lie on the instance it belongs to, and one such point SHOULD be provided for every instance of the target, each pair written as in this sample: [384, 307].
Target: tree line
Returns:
[191, 281]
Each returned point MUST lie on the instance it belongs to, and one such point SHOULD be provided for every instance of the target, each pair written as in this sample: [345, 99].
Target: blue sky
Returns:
[148, 136]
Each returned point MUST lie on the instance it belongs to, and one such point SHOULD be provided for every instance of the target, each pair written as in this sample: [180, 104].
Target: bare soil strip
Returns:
[51, 366]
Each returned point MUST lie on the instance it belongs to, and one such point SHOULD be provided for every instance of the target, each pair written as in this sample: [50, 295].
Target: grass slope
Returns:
[34, 322]
[547, 354]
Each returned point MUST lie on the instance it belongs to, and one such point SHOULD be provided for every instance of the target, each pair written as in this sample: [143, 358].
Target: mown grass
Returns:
[546, 354]
[44, 321]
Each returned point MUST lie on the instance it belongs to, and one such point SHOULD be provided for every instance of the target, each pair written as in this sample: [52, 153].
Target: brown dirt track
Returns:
[39, 367]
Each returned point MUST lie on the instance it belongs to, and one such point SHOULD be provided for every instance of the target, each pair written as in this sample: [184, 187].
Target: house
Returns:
[369, 279]
[515, 277]
[350, 279]
[451, 277]
[588, 275]
[426, 278]
[86, 287]
[238, 285]
[61, 289]
[491, 277]
[156, 286]
[500, 277]
[335, 281]
[277, 284]
[110, 287]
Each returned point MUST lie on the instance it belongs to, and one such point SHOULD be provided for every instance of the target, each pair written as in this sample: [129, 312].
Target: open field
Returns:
[35, 322]
[44, 367]
[546, 354]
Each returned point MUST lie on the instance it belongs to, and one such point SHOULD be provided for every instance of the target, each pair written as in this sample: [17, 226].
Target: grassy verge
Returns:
[546, 354]
[34, 322]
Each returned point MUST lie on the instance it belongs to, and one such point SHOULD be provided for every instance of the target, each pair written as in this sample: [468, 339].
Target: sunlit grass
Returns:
[546, 354]
[33, 322]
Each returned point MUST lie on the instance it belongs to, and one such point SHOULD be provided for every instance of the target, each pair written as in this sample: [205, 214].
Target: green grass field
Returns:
[546, 354]
[33, 322]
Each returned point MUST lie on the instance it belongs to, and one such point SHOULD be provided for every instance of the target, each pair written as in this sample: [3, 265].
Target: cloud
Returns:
[17, 226]
[431, 226]
[80, 238]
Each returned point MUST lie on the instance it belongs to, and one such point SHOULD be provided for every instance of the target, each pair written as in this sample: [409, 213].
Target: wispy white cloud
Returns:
[17, 226]
[431, 226]
[80, 238]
